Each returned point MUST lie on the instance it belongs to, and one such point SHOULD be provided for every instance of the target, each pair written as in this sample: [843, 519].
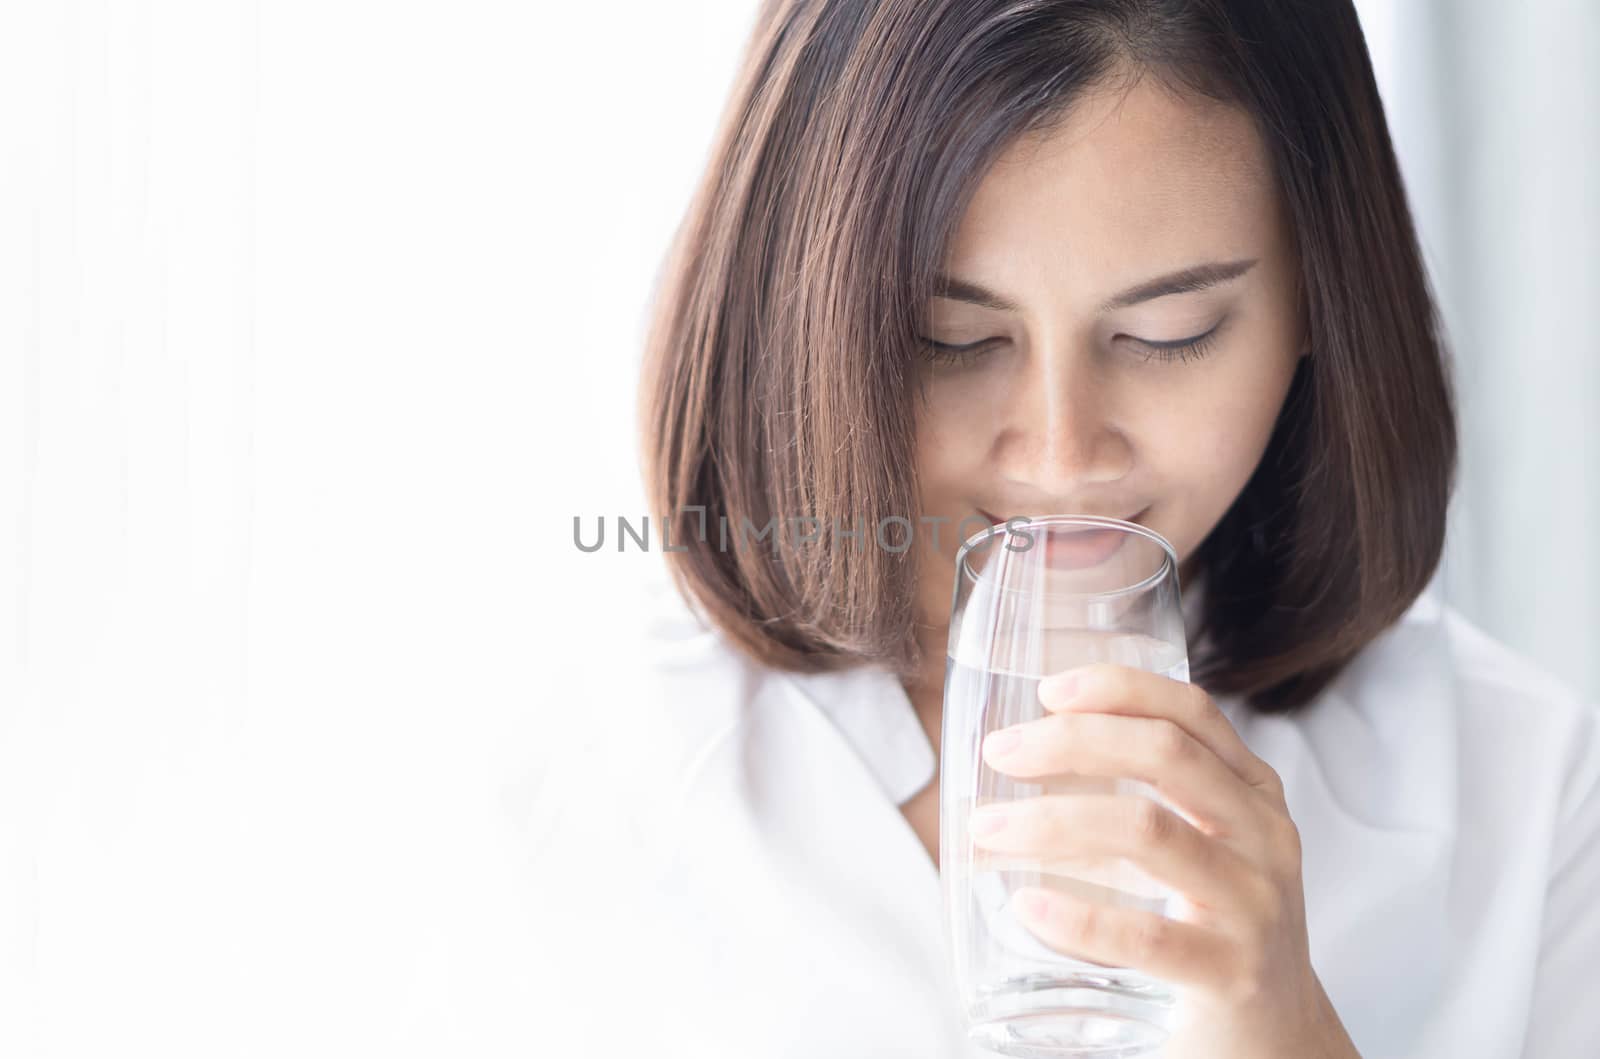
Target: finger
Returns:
[1154, 750]
[1109, 688]
[1103, 830]
[1123, 937]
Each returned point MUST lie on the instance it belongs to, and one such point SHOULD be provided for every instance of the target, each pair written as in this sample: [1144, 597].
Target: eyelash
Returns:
[1185, 349]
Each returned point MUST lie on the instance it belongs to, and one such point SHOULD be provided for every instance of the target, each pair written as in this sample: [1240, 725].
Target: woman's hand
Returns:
[1240, 951]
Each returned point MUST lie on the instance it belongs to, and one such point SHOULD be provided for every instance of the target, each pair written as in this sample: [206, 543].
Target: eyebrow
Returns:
[1184, 281]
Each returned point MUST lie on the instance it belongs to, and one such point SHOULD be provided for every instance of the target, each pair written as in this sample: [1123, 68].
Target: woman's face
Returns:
[1094, 380]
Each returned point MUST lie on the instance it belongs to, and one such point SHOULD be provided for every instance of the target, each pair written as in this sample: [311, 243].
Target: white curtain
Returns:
[320, 324]
[1493, 111]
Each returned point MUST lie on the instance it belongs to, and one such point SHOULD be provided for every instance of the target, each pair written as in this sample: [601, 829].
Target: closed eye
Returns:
[1177, 349]
[1181, 349]
[945, 353]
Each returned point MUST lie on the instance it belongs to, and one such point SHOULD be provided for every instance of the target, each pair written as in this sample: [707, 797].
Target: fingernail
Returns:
[1002, 742]
[1061, 686]
[988, 821]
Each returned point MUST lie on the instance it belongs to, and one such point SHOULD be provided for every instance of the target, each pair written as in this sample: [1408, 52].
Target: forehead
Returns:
[1131, 182]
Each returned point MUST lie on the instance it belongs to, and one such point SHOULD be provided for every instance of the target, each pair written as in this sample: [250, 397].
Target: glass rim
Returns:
[964, 567]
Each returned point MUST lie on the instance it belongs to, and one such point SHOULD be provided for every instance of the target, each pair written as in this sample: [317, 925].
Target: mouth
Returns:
[1076, 548]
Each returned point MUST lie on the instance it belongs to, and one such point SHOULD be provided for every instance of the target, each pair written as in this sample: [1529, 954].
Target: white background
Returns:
[320, 323]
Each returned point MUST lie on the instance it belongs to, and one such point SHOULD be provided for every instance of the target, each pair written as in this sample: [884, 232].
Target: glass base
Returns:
[1107, 1016]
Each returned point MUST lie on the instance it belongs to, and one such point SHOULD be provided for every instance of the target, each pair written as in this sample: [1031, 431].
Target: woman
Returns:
[982, 259]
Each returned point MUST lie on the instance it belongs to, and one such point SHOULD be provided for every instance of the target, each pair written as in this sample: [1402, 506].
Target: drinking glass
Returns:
[1034, 597]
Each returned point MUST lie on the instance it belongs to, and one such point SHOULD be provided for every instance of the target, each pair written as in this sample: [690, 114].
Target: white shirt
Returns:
[725, 870]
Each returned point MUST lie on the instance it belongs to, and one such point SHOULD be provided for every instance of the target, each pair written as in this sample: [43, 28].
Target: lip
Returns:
[996, 520]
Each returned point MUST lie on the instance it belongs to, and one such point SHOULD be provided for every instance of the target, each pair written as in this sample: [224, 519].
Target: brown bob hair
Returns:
[781, 369]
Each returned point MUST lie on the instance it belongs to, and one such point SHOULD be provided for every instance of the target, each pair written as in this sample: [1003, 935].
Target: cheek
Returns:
[1220, 443]
[950, 450]
[935, 585]
[1246, 413]
[1213, 443]
[950, 447]
[946, 413]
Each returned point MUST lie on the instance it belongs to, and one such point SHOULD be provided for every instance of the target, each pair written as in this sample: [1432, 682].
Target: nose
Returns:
[1067, 439]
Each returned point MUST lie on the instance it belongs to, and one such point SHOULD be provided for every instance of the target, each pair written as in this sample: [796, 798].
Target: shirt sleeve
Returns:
[1564, 1018]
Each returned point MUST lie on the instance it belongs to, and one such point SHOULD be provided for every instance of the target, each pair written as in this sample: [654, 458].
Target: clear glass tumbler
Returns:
[1031, 599]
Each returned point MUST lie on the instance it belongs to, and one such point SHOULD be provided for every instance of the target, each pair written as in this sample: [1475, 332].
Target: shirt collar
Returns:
[871, 710]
